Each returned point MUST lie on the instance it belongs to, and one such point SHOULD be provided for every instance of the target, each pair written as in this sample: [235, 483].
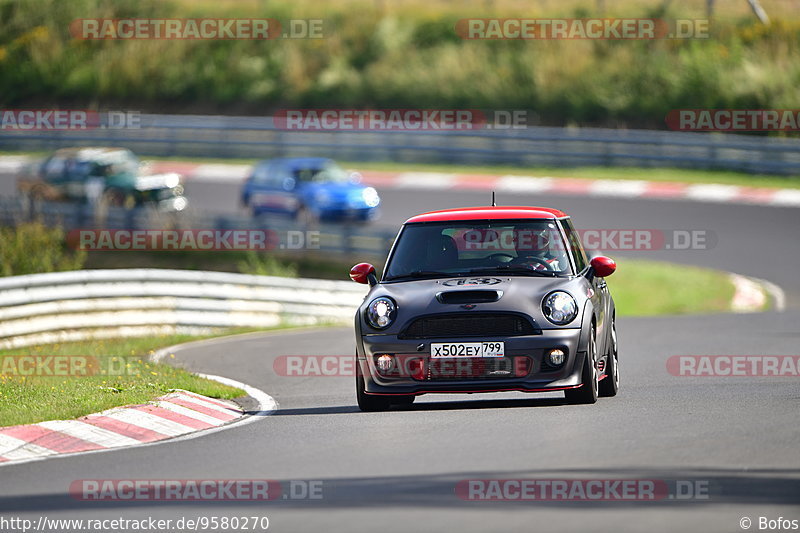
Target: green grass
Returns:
[382, 54]
[620, 173]
[647, 288]
[124, 377]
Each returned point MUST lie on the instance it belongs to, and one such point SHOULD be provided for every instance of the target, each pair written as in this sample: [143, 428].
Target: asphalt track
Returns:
[397, 471]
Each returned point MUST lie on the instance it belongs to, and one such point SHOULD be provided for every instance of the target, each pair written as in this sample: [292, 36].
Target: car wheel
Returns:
[610, 385]
[367, 402]
[588, 391]
[113, 198]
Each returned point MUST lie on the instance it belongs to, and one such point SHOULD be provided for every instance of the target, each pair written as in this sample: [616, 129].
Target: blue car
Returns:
[308, 189]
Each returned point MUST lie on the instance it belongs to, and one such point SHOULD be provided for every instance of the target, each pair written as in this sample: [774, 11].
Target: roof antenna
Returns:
[494, 204]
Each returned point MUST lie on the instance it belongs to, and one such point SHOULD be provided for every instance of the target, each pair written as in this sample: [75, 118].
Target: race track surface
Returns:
[398, 471]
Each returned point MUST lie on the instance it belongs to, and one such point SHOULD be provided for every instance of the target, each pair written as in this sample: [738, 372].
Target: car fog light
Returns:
[385, 362]
[556, 357]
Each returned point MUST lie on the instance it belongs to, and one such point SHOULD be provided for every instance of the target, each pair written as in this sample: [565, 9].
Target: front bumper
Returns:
[338, 214]
[524, 367]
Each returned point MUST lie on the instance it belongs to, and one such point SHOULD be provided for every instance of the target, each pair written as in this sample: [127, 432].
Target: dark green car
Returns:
[101, 176]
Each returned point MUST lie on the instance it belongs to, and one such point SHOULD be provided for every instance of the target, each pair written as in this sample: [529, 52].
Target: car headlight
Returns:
[370, 196]
[560, 308]
[381, 312]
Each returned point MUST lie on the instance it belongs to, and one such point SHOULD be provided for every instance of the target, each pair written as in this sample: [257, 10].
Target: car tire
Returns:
[113, 198]
[403, 400]
[610, 385]
[588, 392]
[367, 402]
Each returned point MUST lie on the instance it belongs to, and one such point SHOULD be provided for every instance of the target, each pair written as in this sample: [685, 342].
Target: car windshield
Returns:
[330, 172]
[508, 247]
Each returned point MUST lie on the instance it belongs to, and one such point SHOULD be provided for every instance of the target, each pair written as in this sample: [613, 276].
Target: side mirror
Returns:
[364, 273]
[603, 266]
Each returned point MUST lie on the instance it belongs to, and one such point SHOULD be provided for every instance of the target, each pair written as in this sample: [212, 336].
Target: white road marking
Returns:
[777, 294]
[266, 403]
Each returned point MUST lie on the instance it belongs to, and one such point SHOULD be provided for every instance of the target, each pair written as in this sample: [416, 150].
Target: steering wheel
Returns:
[530, 260]
[495, 257]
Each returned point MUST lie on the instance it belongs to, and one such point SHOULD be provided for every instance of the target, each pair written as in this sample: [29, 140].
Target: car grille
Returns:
[469, 325]
[473, 368]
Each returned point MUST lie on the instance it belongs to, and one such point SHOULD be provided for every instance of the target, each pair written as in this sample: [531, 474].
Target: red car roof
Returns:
[487, 212]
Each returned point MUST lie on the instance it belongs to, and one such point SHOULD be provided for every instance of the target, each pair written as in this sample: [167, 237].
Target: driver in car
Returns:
[536, 250]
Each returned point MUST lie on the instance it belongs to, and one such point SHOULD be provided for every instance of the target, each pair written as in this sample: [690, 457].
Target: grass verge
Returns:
[117, 372]
[647, 288]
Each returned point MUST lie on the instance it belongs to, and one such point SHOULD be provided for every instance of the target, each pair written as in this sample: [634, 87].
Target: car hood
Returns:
[519, 294]
[338, 192]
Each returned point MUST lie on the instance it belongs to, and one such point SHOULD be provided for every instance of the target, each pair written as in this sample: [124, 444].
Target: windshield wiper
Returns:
[422, 274]
[513, 268]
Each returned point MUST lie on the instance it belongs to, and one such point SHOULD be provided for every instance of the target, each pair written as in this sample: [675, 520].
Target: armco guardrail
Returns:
[352, 241]
[257, 137]
[68, 306]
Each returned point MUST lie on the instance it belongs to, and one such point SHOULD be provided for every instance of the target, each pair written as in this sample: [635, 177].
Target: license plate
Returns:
[467, 349]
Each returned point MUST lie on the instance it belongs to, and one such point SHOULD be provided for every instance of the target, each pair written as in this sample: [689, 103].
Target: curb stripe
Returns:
[151, 422]
[203, 410]
[136, 432]
[171, 416]
[89, 433]
[12, 448]
[221, 403]
[202, 418]
[132, 426]
[53, 440]
[522, 184]
[224, 409]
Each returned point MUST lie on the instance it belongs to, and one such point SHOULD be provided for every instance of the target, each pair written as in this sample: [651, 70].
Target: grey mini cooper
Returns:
[486, 299]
